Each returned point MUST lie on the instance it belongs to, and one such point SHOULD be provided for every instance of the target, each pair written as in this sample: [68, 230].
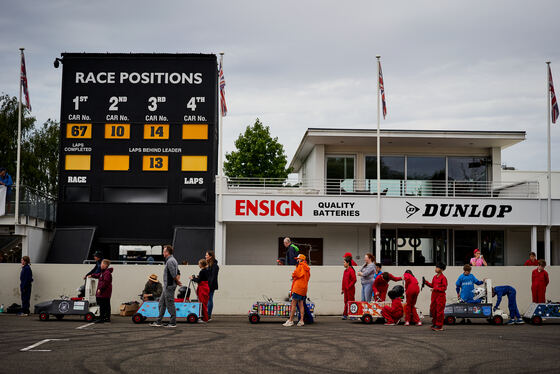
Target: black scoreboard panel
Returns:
[138, 152]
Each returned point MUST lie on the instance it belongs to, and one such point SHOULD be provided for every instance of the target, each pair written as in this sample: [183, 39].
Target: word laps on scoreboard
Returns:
[138, 129]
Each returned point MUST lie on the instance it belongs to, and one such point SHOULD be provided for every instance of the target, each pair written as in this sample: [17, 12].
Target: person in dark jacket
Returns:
[213, 270]
[152, 289]
[203, 289]
[104, 291]
[291, 252]
[25, 280]
[98, 257]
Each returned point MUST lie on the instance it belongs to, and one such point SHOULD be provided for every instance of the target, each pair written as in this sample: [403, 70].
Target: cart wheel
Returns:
[498, 320]
[450, 320]
[254, 318]
[192, 318]
[59, 316]
[144, 318]
[137, 318]
[367, 318]
[536, 320]
[43, 316]
[89, 317]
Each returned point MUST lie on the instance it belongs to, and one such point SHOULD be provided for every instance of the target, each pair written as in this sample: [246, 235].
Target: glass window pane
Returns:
[425, 168]
[340, 167]
[388, 247]
[392, 167]
[465, 243]
[492, 247]
[422, 246]
[468, 168]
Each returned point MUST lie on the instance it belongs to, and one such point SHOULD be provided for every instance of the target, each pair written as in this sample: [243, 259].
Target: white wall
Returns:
[257, 244]
[241, 286]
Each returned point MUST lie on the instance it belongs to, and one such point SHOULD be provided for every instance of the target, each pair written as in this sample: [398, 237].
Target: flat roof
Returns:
[409, 138]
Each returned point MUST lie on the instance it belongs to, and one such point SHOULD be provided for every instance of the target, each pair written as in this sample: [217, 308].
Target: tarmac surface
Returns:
[230, 344]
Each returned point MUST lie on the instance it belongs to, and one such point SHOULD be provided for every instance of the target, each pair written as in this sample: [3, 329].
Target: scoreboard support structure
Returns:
[138, 154]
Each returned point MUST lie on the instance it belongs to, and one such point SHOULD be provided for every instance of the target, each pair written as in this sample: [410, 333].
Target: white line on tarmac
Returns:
[84, 326]
[30, 348]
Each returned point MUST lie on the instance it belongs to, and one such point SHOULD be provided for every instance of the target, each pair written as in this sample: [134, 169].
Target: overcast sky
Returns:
[450, 65]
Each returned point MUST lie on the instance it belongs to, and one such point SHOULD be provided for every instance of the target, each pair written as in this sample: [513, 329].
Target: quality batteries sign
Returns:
[298, 209]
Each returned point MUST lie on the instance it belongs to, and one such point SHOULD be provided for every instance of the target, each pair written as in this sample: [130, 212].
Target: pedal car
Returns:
[84, 304]
[539, 312]
[366, 311]
[483, 309]
[271, 308]
[185, 308]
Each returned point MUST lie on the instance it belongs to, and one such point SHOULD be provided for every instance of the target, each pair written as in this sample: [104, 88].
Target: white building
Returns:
[443, 194]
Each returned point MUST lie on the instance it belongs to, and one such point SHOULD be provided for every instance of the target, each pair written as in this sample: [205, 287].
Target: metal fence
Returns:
[389, 187]
[32, 203]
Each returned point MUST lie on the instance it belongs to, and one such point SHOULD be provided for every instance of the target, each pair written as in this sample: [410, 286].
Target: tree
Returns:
[39, 147]
[258, 155]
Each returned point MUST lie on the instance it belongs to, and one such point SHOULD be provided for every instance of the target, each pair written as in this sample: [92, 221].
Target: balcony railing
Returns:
[33, 203]
[389, 187]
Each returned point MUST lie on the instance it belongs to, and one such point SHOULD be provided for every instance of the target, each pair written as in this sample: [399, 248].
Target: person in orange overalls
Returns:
[203, 290]
[348, 282]
[539, 281]
[411, 291]
[437, 306]
[393, 313]
[300, 280]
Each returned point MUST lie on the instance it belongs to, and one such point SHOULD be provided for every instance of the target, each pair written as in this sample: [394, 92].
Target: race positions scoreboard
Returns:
[138, 152]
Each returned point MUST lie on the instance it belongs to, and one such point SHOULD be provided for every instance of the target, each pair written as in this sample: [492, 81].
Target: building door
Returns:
[465, 243]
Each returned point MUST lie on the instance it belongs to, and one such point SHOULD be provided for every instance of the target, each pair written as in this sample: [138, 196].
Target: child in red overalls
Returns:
[539, 283]
[393, 313]
[203, 290]
[381, 284]
[437, 306]
[411, 291]
[348, 282]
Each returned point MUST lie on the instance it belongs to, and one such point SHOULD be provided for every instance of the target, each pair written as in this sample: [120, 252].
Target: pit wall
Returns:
[241, 286]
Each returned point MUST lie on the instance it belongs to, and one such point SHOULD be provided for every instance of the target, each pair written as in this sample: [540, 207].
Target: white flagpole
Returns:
[548, 174]
[378, 226]
[220, 141]
[18, 158]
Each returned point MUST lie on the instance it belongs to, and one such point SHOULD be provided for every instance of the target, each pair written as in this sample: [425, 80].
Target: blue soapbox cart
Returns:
[191, 310]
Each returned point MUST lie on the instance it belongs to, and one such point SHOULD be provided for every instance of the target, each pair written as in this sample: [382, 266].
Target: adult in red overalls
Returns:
[348, 285]
[437, 306]
[539, 282]
[411, 291]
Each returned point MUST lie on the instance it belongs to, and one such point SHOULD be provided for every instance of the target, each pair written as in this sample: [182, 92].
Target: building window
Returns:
[392, 173]
[492, 246]
[425, 176]
[312, 248]
[388, 247]
[421, 246]
[340, 174]
[473, 169]
[465, 243]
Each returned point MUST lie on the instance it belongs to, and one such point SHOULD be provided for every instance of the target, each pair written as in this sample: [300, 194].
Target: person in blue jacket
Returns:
[291, 252]
[465, 285]
[98, 257]
[509, 291]
[6, 180]
[25, 279]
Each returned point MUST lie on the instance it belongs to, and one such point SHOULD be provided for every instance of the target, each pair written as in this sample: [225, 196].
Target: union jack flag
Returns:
[553, 102]
[222, 91]
[24, 82]
[382, 90]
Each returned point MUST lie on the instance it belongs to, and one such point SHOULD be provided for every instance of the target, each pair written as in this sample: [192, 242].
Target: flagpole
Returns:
[548, 169]
[220, 227]
[18, 157]
[378, 226]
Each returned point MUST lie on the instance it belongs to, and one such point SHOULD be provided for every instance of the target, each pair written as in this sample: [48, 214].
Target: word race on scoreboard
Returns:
[138, 148]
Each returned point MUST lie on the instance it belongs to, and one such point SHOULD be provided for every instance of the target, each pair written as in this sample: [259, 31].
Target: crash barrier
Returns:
[241, 286]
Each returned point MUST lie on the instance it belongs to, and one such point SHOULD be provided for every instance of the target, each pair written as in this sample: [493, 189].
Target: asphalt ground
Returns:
[230, 344]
